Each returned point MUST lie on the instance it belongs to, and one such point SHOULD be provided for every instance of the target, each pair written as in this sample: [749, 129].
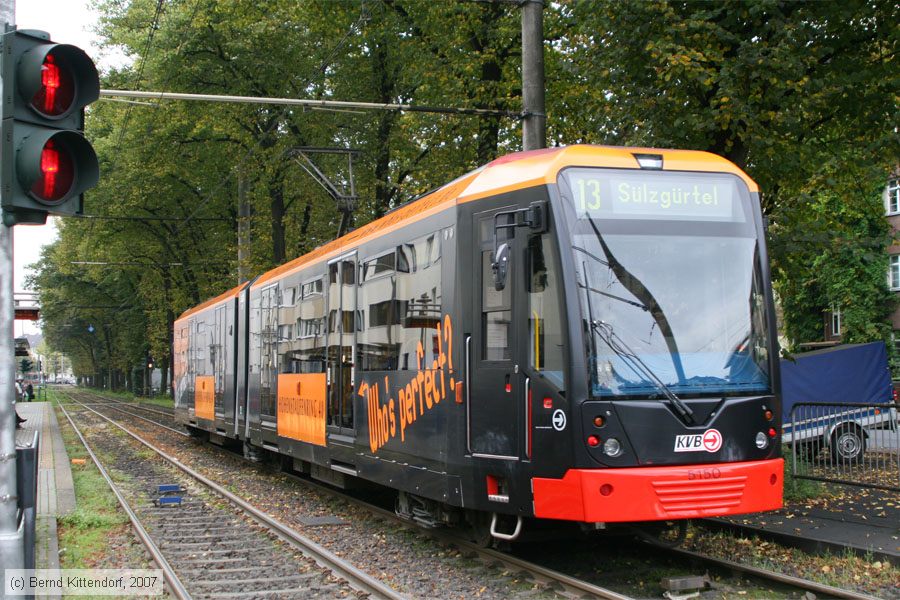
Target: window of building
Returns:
[395, 261]
[289, 296]
[835, 320]
[308, 328]
[894, 273]
[893, 196]
[348, 273]
[347, 321]
[388, 312]
[311, 288]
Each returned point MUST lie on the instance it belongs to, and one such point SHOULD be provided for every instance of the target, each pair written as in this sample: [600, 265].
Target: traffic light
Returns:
[46, 162]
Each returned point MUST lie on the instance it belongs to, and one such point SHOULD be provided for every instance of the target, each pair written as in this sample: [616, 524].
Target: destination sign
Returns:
[654, 195]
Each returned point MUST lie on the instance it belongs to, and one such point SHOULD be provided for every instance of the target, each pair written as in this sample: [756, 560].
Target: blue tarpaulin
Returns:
[847, 373]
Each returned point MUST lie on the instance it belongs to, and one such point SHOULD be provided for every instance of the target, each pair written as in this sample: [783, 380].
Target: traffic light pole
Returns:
[12, 549]
[11, 538]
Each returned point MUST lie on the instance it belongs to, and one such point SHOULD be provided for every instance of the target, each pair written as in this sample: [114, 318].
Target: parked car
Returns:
[831, 399]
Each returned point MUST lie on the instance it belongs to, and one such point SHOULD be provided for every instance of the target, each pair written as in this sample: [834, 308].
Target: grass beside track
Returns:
[97, 534]
[158, 400]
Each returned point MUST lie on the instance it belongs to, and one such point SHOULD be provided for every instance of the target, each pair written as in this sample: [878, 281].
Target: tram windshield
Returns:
[669, 282]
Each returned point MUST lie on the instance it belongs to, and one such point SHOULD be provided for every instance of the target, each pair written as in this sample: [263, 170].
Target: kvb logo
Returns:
[712, 440]
[709, 441]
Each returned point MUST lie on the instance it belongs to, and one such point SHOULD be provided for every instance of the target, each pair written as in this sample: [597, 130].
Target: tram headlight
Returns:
[761, 440]
[612, 448]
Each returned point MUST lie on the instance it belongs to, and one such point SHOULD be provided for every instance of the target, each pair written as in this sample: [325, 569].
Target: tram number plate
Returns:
[694, 474]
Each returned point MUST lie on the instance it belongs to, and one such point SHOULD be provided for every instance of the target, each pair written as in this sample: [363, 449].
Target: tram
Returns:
[582, 333]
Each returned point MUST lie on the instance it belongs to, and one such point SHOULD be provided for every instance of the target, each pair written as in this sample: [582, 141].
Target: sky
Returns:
[69, 22]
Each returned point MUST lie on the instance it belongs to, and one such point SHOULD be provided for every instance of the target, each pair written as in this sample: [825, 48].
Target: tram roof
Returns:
[508, 173]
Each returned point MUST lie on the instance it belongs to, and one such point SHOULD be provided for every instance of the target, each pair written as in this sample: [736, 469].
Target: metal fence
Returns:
[853, 444]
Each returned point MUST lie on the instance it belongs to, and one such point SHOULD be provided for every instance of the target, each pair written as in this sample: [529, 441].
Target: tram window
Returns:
[309, 357]
[496, 335]
[496, 311]
[378, 346]
[404, 308]
[491, 298]
[504, 234]
[545, 341]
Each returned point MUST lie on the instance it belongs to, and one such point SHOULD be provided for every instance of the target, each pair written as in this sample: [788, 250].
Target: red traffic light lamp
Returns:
[45, 161]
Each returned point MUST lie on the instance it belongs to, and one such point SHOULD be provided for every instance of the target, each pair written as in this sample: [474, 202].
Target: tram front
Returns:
[681, 414]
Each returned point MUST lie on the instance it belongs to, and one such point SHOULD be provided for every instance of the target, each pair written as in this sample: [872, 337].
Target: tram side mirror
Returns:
[500, 266]
[534, 217]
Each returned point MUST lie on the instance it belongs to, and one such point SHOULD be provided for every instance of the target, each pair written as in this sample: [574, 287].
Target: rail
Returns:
[854, 444]
[342, 569]
[176, 587]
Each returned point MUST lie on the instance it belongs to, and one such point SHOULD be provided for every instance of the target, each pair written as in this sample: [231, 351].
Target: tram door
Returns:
[495, 386]
[268, 352]
[343, 322]
[217, 357]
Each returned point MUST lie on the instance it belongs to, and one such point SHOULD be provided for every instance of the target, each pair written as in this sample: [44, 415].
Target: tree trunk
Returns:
[276, 196]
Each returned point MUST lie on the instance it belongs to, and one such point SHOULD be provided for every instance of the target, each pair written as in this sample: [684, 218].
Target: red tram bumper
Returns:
[660, 493]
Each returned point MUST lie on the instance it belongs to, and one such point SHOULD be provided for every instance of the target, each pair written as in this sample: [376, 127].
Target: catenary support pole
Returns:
[534, 121]
[12, 550]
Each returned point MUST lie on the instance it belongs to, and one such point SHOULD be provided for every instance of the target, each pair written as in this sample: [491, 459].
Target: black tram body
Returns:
[624, 370]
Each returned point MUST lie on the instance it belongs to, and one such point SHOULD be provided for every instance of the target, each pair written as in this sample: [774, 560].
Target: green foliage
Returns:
[797, 489]
[86, 520]
[829, 251]
[802, 95]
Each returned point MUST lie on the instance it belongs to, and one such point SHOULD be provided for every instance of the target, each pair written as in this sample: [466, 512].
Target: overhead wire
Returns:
[322, 69]
[154, 26]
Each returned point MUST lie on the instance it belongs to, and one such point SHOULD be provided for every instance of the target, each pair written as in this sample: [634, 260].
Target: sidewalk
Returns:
[56, 493]
[864, 520]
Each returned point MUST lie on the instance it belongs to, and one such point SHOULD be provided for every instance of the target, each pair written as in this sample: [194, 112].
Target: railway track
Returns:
[206, 547]
[155, 416]
[559, 582]
[569, 585]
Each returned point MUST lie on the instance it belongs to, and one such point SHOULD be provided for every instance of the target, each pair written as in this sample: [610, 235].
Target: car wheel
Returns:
[848, 443]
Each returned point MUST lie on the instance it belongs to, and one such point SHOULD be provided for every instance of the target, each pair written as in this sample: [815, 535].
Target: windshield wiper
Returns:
[642, 293]
[623, 351]
[613, 296]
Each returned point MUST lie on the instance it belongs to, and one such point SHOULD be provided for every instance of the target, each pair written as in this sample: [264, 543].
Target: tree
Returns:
[801, 95]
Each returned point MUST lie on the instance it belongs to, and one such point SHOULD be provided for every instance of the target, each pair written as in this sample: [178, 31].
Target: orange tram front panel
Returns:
[205, 397]
[660, 493]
